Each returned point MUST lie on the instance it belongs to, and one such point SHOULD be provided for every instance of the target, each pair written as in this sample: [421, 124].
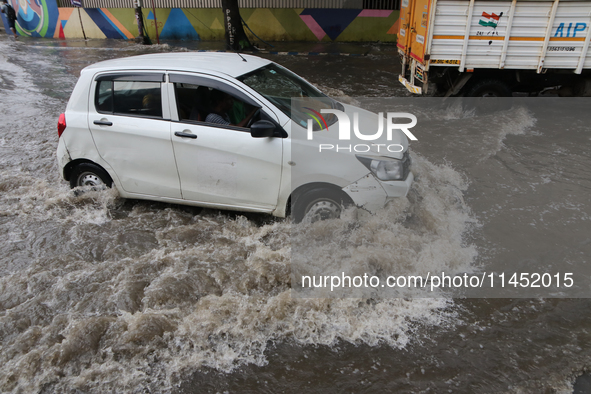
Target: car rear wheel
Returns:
[320, 204]
[90, 175]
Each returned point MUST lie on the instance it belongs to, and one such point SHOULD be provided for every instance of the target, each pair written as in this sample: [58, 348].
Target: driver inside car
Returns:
[221, 104]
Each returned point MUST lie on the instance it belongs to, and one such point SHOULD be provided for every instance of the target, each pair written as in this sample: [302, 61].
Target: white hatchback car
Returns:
[216, 130]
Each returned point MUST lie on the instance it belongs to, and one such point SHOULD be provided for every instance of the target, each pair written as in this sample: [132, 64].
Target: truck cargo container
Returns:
[495, 48]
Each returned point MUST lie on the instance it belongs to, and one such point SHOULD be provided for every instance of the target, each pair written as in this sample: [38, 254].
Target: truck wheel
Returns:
[488, 88]
[88, 174]
[320, 204]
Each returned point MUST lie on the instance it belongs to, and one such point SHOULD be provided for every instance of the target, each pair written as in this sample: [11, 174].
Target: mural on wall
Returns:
[36, 18]
[270, 24]
[331, 22]
[176, 27]
[322, 24]
[97, 22]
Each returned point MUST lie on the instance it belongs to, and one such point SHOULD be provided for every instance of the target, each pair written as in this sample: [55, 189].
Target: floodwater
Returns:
[101, 294]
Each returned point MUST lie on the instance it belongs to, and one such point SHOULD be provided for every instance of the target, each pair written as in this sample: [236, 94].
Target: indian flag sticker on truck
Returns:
[444, 61]
[420, 39]
[490, 20]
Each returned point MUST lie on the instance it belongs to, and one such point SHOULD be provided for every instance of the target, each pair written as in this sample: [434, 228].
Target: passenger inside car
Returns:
[200, 104]
[192, 101]
[152, 106]
[222, 104]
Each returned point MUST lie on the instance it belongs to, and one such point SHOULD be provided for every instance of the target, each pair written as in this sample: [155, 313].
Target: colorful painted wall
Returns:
[277, 24]
[34, 18]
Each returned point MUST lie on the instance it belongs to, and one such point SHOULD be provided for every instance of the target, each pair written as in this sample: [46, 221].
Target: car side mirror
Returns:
[262, 129]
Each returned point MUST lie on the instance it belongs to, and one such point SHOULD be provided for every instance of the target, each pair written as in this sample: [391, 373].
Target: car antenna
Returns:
[243, 59]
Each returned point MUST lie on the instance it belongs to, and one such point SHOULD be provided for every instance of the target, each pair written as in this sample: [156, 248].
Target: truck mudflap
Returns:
[409, 86]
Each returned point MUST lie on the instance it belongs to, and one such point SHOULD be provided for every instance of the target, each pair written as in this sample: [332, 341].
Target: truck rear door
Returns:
[418, 29]
[405, 25]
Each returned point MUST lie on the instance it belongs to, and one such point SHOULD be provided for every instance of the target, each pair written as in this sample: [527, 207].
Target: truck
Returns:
[495, 48]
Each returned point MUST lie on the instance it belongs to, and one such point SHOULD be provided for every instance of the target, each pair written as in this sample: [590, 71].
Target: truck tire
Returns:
[320, 204]
[488, 88]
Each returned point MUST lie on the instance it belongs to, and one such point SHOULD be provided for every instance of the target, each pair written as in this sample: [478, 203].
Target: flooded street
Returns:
[102, 294]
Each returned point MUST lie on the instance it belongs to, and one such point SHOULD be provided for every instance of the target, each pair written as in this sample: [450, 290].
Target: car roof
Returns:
[228, 63]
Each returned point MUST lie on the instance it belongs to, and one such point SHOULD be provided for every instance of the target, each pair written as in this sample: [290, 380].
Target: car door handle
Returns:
[103, 123]
[185, 135]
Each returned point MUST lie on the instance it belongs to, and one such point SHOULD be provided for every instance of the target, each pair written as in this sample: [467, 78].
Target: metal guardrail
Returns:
[381, 4]
[353, 4]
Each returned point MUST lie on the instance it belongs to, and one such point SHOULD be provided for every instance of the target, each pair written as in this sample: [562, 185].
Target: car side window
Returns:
[192, 101]
[104, 97]
[137, 98]
[204, 104]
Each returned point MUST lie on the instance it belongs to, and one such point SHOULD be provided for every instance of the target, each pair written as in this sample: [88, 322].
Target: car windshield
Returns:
[279, 86]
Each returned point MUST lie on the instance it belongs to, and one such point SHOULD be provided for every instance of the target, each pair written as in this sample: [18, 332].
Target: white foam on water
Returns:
[419, 235]
[99, 294]
[126, 48]
[476, 136]
[143, 297]
[513, 122]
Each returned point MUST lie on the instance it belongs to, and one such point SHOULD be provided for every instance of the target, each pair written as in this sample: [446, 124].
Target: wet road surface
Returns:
[99, 293]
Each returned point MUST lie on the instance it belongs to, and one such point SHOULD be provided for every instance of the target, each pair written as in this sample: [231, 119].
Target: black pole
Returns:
[236, 38]
[139, 17]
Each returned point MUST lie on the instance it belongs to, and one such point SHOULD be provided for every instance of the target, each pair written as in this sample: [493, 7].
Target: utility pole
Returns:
[139, 17]
[236, 39]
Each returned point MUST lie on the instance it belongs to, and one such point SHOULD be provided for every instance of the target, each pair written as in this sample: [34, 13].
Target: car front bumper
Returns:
[371, 194]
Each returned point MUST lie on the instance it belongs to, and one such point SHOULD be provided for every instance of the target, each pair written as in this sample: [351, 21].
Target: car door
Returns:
[224, 165]
[131, 130]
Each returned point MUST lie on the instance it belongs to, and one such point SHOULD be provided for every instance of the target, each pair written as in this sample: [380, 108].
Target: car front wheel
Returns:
[88, 174]
[320, 204]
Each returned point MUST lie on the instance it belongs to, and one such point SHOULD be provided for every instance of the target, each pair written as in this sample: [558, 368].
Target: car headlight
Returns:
[386, 168]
